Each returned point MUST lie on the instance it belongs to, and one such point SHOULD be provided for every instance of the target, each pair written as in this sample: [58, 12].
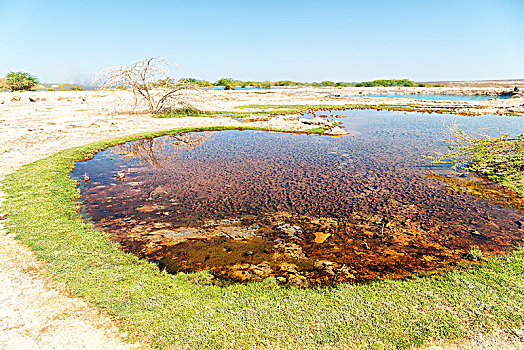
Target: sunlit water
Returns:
[308, 209]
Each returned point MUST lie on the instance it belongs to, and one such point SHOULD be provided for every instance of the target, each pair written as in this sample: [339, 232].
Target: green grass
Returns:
[186, 311]
[181, 113]
[402, 108]
[273, 110]
[186, 112]
[319, 130]
[499, 158]
[264, 107]
[310, 108]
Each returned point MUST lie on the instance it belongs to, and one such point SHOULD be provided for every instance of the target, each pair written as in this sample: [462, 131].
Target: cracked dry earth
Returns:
[38, 313]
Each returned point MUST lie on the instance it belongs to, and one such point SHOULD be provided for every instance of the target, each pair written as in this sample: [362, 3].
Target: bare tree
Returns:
[151, 82]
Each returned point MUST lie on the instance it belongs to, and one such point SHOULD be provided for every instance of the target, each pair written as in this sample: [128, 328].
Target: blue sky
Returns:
[68, 41]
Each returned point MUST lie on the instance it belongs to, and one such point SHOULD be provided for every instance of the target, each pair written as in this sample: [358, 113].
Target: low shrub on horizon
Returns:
[386, 83]
[20, 81]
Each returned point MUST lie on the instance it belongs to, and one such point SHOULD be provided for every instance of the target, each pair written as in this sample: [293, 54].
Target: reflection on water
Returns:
[481, 187]
[308, 209]
[154, 152]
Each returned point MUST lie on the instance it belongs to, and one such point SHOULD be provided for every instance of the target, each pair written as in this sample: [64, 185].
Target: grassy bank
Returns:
[274, 110]
[499, 158]
[403, 108]
[186, 311]
[181, 113]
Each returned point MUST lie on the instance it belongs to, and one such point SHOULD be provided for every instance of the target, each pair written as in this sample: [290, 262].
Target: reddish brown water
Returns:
[308, 209]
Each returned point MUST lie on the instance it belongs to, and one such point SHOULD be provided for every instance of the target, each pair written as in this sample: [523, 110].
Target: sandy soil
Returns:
[36, 313]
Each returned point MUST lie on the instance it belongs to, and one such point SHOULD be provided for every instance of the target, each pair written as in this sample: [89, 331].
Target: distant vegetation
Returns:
[403, 82]
[287, 83]
[328, 83]
[16, 81]
[230, 83]
[20, 81]
[74, 87]
[196, 82]
[69, 87]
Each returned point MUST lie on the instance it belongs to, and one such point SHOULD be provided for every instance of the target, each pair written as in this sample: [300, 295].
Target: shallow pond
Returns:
[443, 97]
[308, 209]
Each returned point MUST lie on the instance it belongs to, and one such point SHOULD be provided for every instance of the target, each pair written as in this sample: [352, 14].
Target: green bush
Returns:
[75, 87]
[402, 82]
[328, 83]
[323, 84]
[287, 83]
[196, 82]
[344, 84]
[20, 81]
[224, 82]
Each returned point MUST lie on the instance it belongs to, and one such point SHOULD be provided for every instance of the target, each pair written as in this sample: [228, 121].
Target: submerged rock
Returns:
[250, 272]
[298, 280]
[290, 249]
[337, 130]
[316, 121]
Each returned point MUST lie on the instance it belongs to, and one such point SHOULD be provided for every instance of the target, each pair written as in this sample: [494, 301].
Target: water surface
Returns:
[308, 209]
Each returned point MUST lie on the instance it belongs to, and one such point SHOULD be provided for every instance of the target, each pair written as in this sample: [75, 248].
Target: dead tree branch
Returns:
[151, 82]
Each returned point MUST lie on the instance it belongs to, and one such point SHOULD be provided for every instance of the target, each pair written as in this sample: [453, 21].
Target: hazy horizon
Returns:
[307, 82]
[308, 41]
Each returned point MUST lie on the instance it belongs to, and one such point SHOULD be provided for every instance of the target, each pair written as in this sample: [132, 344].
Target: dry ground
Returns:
[37, 313]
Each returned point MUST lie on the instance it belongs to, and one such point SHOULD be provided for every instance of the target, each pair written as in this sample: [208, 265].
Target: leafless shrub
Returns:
[151, 83]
